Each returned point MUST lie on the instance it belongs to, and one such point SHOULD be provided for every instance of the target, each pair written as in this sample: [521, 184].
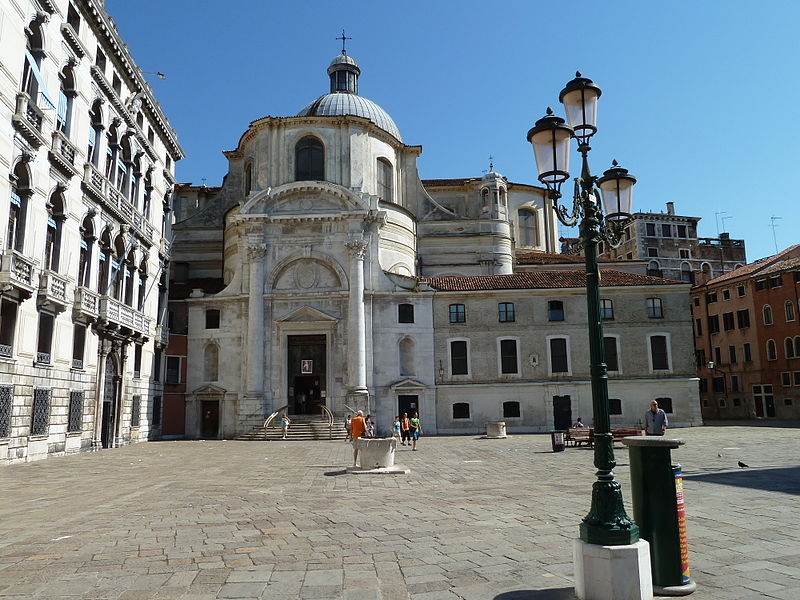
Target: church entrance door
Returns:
[307, 368]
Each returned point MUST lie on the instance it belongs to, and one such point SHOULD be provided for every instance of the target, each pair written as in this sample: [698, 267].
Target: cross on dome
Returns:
[343, 38]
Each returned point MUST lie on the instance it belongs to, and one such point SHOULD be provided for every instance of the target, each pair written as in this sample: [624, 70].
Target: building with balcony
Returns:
[89, 159]
[669, 244]
[747, 338]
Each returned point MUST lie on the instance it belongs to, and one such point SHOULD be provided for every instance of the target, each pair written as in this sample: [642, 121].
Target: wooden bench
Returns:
[577, 436]
[622, 432]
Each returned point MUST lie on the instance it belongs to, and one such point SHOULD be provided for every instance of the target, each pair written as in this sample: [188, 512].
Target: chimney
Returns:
[670, 208]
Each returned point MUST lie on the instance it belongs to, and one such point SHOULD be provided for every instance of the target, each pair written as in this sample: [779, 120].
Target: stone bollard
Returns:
[496, 429]
[375, 453]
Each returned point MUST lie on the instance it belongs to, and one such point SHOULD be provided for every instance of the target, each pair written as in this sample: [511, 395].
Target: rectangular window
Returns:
[137, 361]
[652, 252]
[40, 417]
[508, 357]
[786, 379]
[606, 309]
[740, 290]
[775, 281]
[732, 355]
[666, 230]
[682, 231]
[458, 313]
[796, 377]
[212, 318]
[461, 410]
[650, 229]
[665, 404]
[136, 410]
[511, 410]
[748, 357]
[700, 358]
[718, 355]
[698, 327]
[405, 313]
[6, 402]
[173, 369]
[718, 384]
[155, 418]
[658, 352]
[459, 363]
[713, 324]
[735, 383]
[684, 253]
[655, 309]
[78, 345]
[727, 321]
[761, 285]
[555, 310]
[614, 406]
[703, 385]
[75, 416]
[8, 324]
[610, 353]
[711, 297]
[726, 294]
[559, 360]
[157, 365]
[506, 312]
[743, 318]
[45, 343]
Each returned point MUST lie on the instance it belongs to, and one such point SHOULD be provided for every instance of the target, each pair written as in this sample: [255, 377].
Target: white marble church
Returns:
[324, 272]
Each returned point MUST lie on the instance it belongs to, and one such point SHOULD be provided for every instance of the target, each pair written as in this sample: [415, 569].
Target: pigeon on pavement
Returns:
[743, 466]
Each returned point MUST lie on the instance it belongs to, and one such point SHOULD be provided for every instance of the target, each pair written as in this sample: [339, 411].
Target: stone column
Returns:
[256, 254]
[103, 347]
[356, 325]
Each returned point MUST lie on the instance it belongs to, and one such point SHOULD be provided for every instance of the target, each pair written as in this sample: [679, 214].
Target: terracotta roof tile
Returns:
[759, 266]
[540, 280]
[554, 258]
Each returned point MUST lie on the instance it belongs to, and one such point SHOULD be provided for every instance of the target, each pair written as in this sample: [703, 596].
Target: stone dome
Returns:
[343, 98]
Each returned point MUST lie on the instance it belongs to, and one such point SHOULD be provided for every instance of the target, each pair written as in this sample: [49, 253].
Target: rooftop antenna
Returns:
[158, 74]
[343, 38]
[491, 164]
[773, 224]
[717, 215]
[723, 222]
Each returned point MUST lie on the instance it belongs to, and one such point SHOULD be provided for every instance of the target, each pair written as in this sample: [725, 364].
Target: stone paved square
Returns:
[475, 519]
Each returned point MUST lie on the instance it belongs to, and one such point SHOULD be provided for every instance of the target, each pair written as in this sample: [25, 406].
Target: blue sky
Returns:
[695, 94]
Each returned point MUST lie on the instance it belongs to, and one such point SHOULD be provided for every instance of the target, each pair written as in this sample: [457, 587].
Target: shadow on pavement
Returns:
[781, 479]
[551, 594]
[335, 473]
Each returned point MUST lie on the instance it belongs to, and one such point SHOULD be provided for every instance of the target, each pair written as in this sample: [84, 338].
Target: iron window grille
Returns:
[136, 410]
[511, 410]
[40, 418]
[75, 415]
[6, 402]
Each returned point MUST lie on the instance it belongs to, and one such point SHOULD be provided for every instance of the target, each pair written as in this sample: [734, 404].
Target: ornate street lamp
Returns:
[607, 524]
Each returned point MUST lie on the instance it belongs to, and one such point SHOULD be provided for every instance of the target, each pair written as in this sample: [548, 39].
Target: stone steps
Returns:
[301, 429]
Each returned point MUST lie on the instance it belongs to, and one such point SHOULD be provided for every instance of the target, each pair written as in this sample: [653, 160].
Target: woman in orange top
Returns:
[357, 428]
[405, 429]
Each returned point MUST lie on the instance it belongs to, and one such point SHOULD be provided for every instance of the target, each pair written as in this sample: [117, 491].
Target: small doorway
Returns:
[109, 403]
[562, 412]
[407, 403]
[210, 424]
[306, 373]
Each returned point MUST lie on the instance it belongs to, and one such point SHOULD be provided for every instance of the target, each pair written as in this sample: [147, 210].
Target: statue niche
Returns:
[307, 274]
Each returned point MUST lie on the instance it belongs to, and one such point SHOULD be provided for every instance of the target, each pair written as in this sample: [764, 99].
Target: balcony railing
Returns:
[87, 303]
[63, 152]
[162, 334]
[43, 358]
[17, 270]
[77, 363]
[29, 119]
[6, 351]
[120, 314]
[113, 199]
[53, 289]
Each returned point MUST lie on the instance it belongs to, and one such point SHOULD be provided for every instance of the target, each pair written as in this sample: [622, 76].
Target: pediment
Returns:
[307, 314]
[209, 390]
[407, 383]
[304, 198]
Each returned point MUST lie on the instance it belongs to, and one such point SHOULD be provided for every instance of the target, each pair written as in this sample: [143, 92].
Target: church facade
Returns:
[325, 273]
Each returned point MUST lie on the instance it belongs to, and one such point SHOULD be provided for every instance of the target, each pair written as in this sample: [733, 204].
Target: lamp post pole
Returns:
[607, 523]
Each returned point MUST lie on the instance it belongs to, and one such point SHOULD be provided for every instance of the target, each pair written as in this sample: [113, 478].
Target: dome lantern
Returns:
[344, 73]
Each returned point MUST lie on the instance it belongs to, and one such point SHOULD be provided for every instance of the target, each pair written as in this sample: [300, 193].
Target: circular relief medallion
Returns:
[306, 204]
[306, 275]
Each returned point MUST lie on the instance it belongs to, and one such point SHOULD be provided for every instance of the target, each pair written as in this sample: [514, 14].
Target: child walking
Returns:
[284, 425]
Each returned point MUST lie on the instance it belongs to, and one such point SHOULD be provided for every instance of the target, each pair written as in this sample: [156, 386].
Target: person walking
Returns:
[396, 428]
[358, 428]
[370, 426]
[405, 430]
[347, 421]
[416, 430]
[655, 420]
[284, 425]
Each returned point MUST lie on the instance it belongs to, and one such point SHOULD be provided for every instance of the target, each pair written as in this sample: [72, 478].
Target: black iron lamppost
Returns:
[607, 523]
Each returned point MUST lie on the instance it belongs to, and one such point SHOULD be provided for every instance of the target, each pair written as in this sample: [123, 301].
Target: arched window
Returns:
[789, 307]
[66, 95]
[148, 194]
[130, 277]
[797, 346]
[385, 180]
[788, 347]
[211, 363]
[511, 410]
[124, 167]
[407, 357]
[32, 81]
[461, 410]
[654, 269]
[528, 228]
[772, 351]
[767, 314]
[136, 182]
[52, 243]
[95, 128]
[686, 273]
[104, 258]
[117, 287]
[309, 160]
[142, 290]
[85, 256]
[18, 208]
[706, 268]
[248, 178]
[112, 155]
